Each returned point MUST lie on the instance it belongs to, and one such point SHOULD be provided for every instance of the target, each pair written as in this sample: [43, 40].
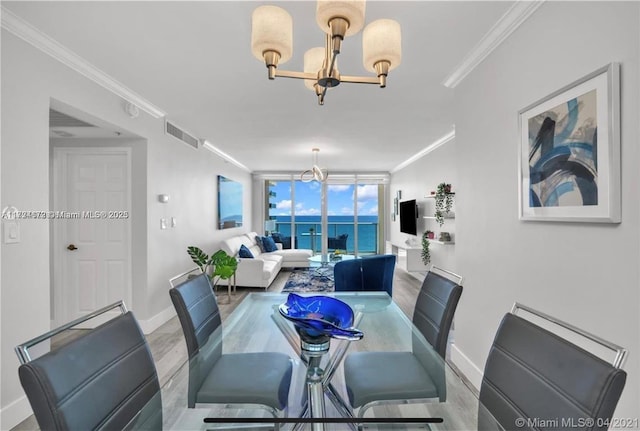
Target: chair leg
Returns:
[276, 415]
[361, 412]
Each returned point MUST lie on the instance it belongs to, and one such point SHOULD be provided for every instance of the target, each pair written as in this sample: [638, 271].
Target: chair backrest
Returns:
[347, 275]
[201, 323]
[339, 242]
[177, 279]
[371, 273]
[435, 307]
[197, 311]
[99, 381]
[561, 381]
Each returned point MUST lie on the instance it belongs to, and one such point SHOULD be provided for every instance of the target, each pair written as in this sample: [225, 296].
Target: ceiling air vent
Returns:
[178, 133]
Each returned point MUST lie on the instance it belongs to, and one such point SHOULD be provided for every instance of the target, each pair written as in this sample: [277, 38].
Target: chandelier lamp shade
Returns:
[272, 42]
[316, 173]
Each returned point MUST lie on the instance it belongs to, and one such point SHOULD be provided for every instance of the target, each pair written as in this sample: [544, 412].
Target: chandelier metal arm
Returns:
[295, 75]
[360, 79]
[331, 51]
[312, 76]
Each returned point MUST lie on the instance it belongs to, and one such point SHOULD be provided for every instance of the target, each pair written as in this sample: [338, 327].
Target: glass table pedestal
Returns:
[311, 351]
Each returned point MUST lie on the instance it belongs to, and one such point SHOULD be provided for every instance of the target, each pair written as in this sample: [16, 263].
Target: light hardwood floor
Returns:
[167, 342]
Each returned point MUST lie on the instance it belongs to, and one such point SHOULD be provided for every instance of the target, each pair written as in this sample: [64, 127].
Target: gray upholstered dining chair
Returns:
[261, 378]
[566, 386]
[103, 380]
[396, 377]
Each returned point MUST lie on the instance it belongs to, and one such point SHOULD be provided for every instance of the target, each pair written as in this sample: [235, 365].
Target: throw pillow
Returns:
[269, 244]
[244, 252]
[259, 243]
[277, 237]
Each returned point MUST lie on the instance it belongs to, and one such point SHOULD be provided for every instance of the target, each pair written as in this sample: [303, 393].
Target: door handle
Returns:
[72, 247]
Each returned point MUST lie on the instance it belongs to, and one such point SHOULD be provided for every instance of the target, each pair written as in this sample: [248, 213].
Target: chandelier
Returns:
[272, 42]
[315, 173]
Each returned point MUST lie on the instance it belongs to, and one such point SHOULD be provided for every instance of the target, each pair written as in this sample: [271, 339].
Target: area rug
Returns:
[308, 280]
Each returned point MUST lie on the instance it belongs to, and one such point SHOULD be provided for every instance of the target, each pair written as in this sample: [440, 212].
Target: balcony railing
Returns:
[309, 235]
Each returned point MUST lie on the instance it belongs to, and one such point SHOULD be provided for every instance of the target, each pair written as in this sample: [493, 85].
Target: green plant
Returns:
[218, 266]
[426, 255]
[444, 201]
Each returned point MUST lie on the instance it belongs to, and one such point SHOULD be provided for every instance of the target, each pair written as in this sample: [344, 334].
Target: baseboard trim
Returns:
[466, 366]
[14, 413]
[150, 325]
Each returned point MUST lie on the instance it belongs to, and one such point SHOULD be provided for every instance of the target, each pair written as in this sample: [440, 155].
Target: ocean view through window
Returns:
[338, 225]
[353, 220]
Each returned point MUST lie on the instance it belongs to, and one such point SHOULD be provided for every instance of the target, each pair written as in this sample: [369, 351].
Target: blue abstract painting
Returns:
[563, 154]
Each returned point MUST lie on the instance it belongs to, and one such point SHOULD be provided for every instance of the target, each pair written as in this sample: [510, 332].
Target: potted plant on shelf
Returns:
[444, 201]
[220, 266]
[430, 234]
[426, 255]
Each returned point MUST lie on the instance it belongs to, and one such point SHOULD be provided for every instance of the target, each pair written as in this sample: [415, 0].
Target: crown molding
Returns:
[507, 24]
[443, 140]
[218, 152]
[30, 34]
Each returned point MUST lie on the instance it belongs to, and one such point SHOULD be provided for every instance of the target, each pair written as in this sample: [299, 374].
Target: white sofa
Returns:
[261, 270]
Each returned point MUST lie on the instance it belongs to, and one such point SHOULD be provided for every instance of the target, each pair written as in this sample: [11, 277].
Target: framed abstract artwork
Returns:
[569, 153]
[229, 203]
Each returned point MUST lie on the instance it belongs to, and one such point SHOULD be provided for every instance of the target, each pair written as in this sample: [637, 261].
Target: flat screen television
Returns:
[409, 217]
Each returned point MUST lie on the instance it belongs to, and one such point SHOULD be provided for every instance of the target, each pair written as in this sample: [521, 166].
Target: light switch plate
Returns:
[174, 222]
[10, 231]
[163, 223]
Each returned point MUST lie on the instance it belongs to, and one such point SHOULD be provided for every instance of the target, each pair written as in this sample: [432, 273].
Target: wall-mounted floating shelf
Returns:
[441, 242]
[447, 216]
[434, 196]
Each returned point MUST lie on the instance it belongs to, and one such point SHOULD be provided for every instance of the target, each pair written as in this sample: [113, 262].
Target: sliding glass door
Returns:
[354, 217]
[308, 214]
[341, 218]
[370, 198]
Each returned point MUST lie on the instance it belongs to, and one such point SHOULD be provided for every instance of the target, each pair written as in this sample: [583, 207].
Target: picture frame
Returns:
[569, 152]
[230, 199]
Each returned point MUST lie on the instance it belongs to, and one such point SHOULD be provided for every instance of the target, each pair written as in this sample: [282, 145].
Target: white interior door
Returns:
[92, 256]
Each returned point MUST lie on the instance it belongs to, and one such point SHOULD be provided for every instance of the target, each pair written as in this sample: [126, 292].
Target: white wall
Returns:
[586, 274]
[417, 181]
[30, 80]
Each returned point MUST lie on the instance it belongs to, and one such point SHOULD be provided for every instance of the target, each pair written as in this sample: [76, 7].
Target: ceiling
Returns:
[193, 60]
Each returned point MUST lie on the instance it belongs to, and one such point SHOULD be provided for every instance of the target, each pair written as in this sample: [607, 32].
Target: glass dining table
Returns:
[257, 326]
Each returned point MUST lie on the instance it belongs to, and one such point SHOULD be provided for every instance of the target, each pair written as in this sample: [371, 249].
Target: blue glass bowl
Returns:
[319, 316]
